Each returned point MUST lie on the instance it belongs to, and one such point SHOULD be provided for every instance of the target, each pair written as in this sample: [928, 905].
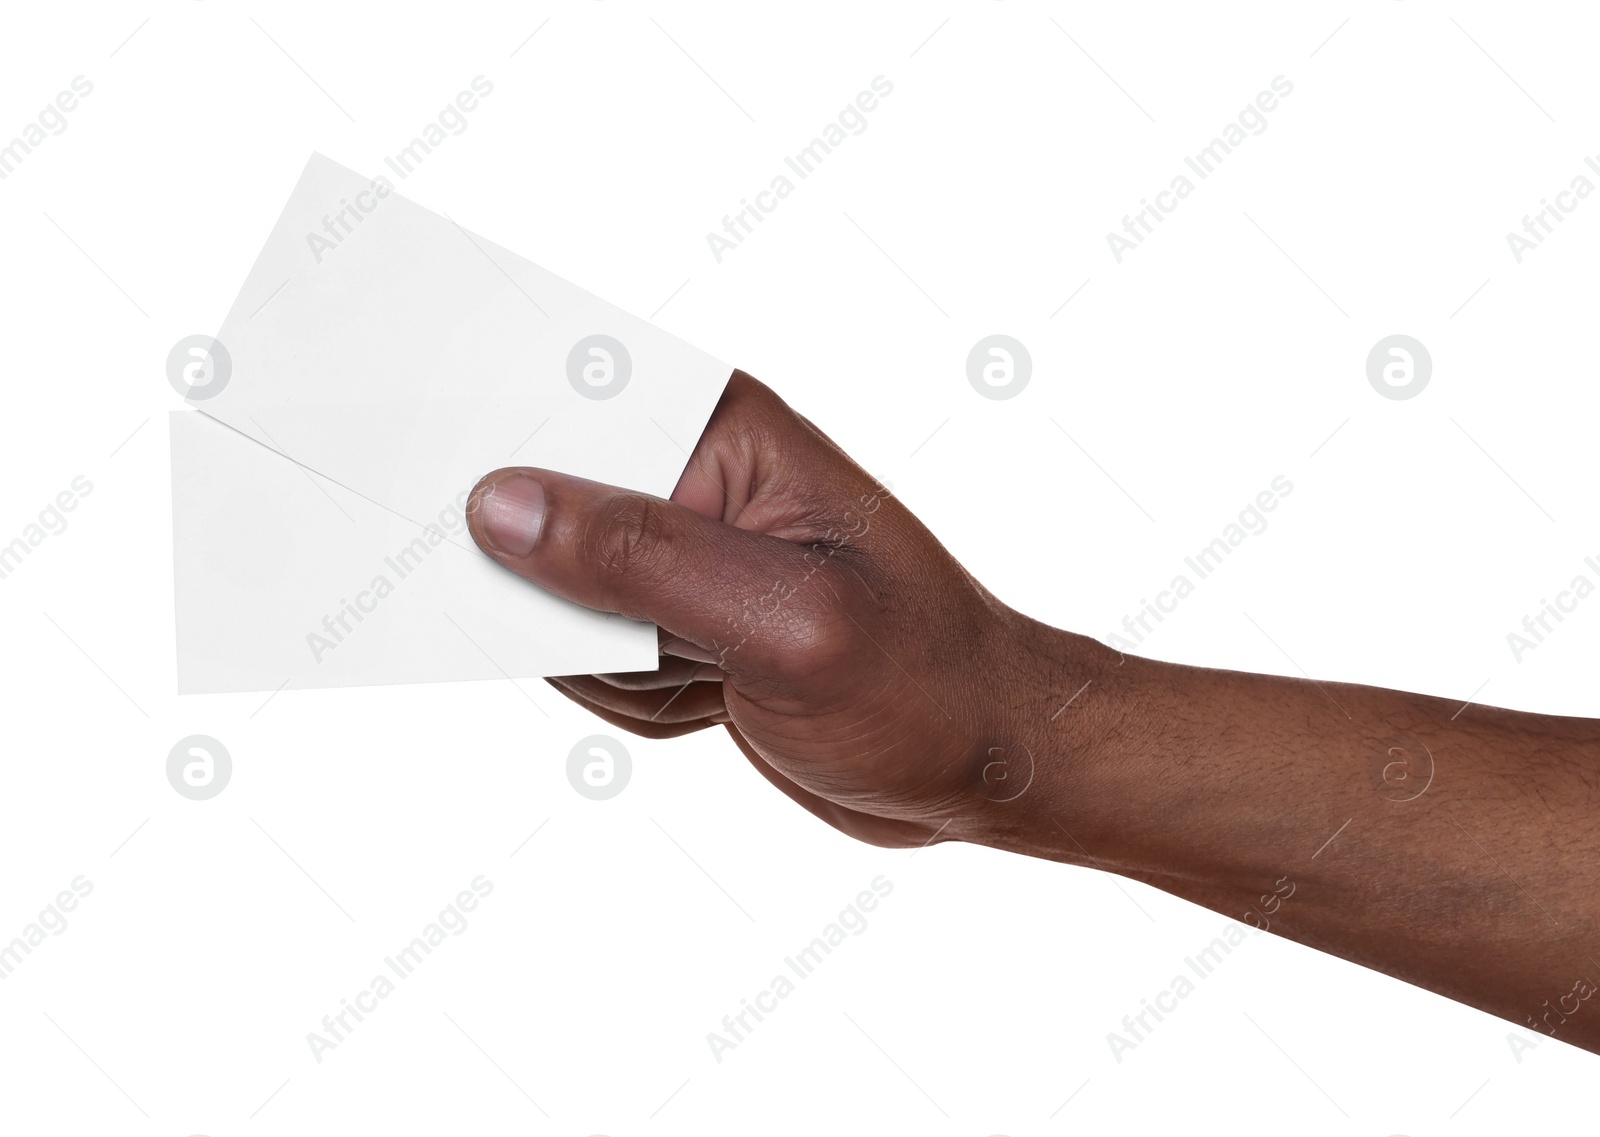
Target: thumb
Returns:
[722, 588]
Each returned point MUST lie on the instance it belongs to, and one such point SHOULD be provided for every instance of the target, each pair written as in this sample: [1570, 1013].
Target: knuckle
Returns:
[818, 633]
[627, 537]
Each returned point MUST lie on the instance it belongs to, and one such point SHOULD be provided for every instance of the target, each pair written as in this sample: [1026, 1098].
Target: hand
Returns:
[857, 665]
[870, 678]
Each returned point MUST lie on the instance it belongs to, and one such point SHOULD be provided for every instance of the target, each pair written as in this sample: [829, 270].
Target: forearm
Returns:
[1455, 849]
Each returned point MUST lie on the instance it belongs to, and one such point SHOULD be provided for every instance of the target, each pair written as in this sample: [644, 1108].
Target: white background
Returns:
[1228, 349]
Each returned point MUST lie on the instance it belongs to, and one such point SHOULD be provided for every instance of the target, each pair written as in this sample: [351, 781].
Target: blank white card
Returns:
[377, 362]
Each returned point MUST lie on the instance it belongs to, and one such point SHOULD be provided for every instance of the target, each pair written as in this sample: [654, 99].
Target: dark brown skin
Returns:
[868, 676]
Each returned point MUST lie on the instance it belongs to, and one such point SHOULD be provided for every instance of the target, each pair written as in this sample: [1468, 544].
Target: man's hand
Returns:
[856, 664]
[869, 677]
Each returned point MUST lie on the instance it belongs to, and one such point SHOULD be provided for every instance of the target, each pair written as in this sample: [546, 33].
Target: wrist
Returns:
[1064, 740]
[1129, 775]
